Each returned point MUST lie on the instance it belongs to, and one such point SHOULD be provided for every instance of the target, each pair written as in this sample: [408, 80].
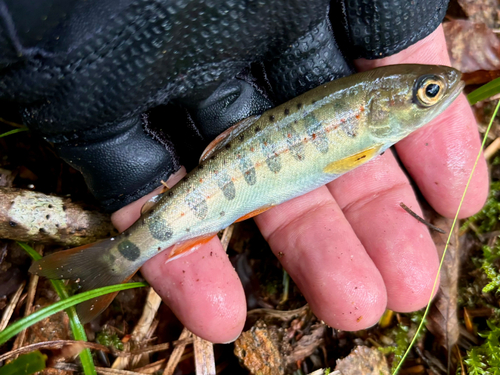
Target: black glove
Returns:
[122, 88]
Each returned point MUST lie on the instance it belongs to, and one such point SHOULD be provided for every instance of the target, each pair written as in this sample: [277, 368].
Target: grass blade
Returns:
[26, 364]
[41, 314]
[484, 92]
[74, 321]
[14, 131]
[455, 220]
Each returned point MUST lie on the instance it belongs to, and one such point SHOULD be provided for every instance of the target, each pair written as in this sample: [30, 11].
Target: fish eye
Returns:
[428, 90]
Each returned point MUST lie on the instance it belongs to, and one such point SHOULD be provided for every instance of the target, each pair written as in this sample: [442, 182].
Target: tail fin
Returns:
[91, 266]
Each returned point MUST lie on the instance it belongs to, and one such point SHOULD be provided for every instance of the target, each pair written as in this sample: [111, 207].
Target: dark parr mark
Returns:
[129, 250]
[299, 105]
[271, 118]
[286, 111]
[160, 229]
[197, 203]
[247, 169]
[270, 152]
[294, 142]
[317, 133]
[225, 183]
[257, 129]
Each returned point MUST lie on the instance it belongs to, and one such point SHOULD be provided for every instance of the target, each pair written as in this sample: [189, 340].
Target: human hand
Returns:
[349, 246]
[91, 108]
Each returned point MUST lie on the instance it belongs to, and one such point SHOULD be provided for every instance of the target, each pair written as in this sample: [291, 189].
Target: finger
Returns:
[320, 251]
[202, 289]
[440, 157]
[399, 245]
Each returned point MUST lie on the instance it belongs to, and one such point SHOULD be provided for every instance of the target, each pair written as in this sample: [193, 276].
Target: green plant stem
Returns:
[455, 220]
[14, 131]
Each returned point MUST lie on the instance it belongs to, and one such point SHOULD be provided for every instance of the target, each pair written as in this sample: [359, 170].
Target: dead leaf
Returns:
[307, 344]
[258, 350]
[472, 46]
[363, 361]
[442, 320]
[482, 11]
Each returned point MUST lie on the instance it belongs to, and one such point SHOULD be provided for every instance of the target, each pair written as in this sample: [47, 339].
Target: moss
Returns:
[487, 219]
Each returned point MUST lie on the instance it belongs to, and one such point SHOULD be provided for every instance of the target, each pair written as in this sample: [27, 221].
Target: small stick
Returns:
[204, 358]
[492, 149]
[30, 298]
[9, 310]
[176, 355]
[423, 221]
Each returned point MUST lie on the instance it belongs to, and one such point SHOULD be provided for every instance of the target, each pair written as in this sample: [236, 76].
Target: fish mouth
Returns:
[454, 93]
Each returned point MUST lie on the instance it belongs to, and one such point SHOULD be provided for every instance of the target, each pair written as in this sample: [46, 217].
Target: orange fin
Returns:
[91, 267]
[349, 163]
[187, 247]
[254, 213]
[227, 136]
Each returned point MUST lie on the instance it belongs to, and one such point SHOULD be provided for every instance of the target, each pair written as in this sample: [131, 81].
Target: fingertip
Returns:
[441, 157]
[361, 306]
[203, 291]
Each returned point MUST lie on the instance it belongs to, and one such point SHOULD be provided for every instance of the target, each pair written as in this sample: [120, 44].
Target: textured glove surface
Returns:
[86, 73]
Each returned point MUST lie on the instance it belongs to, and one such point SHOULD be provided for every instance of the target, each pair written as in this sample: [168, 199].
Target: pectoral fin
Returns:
[227, 136]
[349, 163]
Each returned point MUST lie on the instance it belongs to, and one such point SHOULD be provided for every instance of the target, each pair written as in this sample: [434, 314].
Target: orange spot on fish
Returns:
[182, 214]
[289, 135]
[359, 319]
[358, 116]
[342, 120]
[314, 136]
[362, 109]
[253, 213]
[201, 180]
[252, 149]
[265, 143]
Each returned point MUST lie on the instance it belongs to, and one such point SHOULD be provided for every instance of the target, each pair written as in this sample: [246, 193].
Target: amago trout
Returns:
[262, 162]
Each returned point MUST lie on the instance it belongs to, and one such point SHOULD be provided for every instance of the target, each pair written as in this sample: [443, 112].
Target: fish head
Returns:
[410, 96]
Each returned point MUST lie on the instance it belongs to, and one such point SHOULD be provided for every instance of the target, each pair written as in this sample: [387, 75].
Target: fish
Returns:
[262, 162]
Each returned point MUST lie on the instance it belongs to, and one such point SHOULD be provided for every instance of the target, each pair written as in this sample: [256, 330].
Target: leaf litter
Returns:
[282, 336]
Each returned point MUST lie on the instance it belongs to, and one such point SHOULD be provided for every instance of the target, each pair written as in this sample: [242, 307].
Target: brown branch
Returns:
[31, 216]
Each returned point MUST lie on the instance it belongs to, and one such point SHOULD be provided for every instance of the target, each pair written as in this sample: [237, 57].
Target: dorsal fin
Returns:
[227, 136]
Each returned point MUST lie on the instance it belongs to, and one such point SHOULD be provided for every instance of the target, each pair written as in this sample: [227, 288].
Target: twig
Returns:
[176, 355]
[58, 344]
[9, 310]
[203, 356]
[423, 221]
[492, 149]
[226, 236]
[100, 370]
[31, 216]
[29, 304]
[152, 367]
[139, 332]
[278, 314]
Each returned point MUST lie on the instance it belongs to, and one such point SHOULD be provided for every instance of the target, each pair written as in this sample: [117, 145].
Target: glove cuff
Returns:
[120, 169]
[377, 29]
